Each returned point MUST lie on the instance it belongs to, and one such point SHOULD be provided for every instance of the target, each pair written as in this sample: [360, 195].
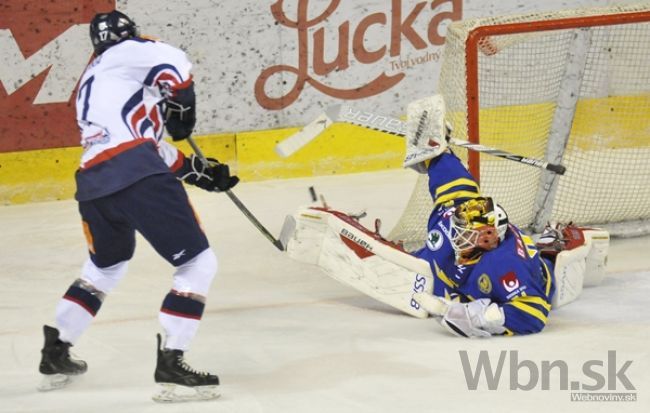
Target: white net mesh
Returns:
[576, 93]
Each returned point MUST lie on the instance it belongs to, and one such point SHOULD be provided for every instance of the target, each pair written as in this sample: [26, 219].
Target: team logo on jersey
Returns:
[94, 135]
[435, 240]
[510, 282]
[484, 284]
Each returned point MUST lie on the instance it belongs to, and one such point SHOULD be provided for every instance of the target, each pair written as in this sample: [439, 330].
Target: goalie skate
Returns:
[179, 382]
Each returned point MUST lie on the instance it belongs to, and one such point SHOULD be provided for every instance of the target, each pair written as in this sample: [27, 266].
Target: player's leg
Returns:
[182, 242]
[111, 242]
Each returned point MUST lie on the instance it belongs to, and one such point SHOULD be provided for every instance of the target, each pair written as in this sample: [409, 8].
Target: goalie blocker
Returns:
[353, 255]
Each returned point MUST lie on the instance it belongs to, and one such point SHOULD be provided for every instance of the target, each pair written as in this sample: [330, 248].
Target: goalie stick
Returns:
[386, 124]
[281, 242]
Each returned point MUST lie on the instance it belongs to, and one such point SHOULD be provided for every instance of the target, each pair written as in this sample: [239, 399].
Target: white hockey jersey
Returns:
[119, 112]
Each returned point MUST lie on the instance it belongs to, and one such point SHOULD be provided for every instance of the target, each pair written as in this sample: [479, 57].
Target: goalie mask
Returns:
[108, 29]
[478, 225]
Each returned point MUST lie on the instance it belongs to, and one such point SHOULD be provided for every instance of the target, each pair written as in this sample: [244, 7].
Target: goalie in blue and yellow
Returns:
[483, 266]
[490, 278]
[477, 273]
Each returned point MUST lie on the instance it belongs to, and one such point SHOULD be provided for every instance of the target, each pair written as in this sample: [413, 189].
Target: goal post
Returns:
[569, 87]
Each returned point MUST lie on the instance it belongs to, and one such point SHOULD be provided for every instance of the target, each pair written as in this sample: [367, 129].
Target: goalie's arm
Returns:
[525, 315]
[484, 318]
[449, 181]
[480, 318]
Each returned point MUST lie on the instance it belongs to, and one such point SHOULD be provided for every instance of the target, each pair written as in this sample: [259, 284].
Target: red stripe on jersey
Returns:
[153, 115]
[180, 159]
[137, 116]
[167, 77]
[184, 84]
[112, 152]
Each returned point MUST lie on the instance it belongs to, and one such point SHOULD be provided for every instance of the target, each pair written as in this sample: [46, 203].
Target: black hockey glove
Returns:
[180, 112]
[212, 177]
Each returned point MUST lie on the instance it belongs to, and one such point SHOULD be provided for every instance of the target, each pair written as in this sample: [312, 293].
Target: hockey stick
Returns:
[386, 124]
[305, 135]
[281, 242]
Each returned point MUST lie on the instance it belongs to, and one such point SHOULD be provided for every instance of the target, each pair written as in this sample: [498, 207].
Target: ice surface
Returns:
[285, 338]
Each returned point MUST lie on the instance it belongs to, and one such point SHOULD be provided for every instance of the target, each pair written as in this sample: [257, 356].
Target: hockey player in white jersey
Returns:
[128, 181]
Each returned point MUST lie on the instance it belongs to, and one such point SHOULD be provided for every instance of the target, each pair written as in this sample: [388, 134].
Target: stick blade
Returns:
[305, 135]
[288, 229]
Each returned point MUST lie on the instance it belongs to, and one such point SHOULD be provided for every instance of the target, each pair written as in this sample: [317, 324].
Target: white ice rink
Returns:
[285, 338]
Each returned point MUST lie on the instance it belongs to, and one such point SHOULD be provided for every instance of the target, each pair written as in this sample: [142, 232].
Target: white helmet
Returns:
[478, 225]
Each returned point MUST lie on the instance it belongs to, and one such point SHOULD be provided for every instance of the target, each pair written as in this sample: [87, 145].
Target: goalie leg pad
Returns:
[596, 260]
[354, 256]
[569, 270]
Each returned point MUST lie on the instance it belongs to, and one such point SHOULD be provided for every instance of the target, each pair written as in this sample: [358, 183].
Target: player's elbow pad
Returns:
[180, 112]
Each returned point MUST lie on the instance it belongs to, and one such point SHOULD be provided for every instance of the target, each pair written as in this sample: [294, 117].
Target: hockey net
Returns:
[571, 87]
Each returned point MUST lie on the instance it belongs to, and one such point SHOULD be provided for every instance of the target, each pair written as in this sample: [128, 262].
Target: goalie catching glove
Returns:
[479, 318]
[426, 132]
[214, 176]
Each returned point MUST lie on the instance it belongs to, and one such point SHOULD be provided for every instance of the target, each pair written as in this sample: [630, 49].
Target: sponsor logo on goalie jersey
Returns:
[435, 240]
[510, 282]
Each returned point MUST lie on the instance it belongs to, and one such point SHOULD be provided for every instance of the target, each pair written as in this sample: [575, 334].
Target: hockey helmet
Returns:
[478, 225]
[108, 29]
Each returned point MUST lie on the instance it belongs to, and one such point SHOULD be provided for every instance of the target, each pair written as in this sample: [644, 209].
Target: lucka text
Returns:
[311, 33]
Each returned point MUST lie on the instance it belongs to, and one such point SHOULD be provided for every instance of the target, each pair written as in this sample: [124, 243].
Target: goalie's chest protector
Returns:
[511, 270]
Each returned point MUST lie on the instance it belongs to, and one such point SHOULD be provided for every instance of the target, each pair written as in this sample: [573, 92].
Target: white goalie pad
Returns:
[355, 256]
[580, 267]
[596, 260]
[425, 130]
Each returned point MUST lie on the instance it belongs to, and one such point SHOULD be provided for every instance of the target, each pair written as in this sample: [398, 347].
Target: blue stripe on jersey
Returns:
[84, 298]
[153, 73]
[180, 306]
[146, 124]
[133, 102]
[457, 188]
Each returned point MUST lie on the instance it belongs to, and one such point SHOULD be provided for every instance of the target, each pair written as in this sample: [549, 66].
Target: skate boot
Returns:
[56, 364]
[179, 382]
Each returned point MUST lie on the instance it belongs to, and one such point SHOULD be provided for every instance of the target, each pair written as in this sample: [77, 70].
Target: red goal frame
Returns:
[472, 60]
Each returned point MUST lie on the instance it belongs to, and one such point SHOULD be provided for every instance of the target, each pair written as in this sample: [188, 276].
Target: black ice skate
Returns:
[56, 364]
[179, 381]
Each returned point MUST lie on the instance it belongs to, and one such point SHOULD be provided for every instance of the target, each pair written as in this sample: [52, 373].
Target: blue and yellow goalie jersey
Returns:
[512, 275]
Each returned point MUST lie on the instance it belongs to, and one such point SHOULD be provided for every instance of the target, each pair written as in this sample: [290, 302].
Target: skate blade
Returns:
[172, 393]
[53, 382]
